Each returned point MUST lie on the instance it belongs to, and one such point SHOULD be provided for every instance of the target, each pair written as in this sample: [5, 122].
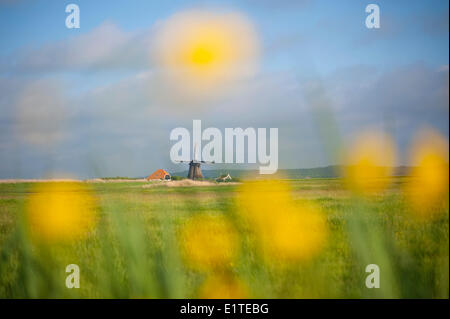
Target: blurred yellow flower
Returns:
[220, 286]
[296, 235]
[262, 201]
[58, 212]
[208, 242]
[200, 51]
[430, 176]
[369, 163]
[285, 229]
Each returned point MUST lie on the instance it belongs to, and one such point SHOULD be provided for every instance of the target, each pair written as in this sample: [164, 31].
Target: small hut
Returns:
[159, 174]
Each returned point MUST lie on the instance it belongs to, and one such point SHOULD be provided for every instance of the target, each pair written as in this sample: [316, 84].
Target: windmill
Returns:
[195, 171]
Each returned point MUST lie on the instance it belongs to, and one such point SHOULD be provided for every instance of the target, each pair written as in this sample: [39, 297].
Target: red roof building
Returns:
[159, 174]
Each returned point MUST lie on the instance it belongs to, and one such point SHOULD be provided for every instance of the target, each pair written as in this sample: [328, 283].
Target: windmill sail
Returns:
[195, 158]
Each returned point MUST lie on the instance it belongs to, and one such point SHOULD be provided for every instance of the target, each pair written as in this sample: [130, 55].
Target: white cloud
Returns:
[40, 114]
[106, 47]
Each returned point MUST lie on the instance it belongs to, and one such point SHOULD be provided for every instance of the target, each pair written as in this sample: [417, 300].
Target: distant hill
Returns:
[299, 173]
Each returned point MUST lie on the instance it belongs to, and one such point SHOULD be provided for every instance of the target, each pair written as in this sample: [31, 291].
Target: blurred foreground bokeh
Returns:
[310, 238]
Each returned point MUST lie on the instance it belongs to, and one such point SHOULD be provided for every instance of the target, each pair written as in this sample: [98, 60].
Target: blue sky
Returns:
[403, 66]
[415, 30]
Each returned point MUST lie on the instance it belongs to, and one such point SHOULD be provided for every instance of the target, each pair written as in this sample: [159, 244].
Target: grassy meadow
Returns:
[143, 243]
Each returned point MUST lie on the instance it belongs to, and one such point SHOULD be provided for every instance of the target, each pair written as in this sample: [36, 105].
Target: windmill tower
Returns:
[195, 171]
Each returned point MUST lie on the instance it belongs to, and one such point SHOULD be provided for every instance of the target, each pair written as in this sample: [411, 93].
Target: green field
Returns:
[134, 250]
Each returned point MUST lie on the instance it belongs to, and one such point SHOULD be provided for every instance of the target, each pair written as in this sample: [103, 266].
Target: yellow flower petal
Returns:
[370, 162]
[430, 175]
[208, 242]
[58, 212]
[285, 230]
